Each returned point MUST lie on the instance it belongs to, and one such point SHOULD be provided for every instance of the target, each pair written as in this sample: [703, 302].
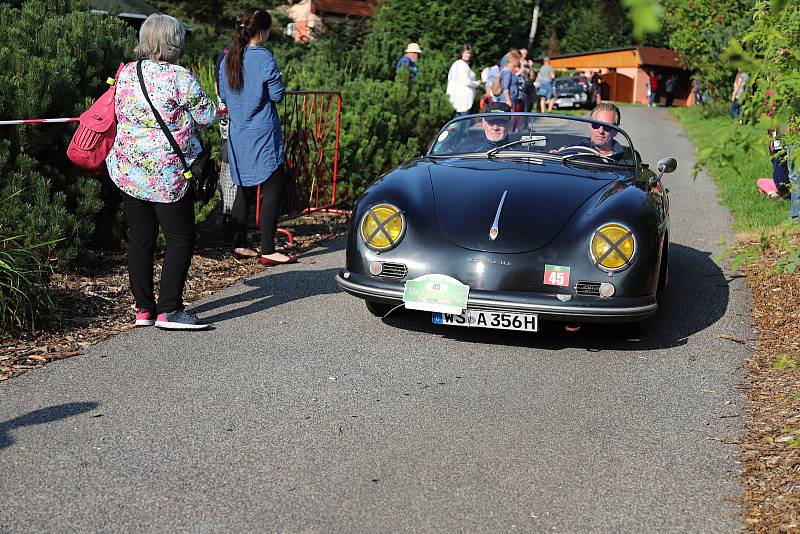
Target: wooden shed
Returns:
[625, 70]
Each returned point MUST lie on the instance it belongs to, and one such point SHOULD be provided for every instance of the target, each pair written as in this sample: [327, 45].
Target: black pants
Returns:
[177, 222]
[271, 191]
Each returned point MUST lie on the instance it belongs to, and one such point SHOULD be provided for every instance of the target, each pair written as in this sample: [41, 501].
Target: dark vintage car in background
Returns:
[571, 92]
[534, 225]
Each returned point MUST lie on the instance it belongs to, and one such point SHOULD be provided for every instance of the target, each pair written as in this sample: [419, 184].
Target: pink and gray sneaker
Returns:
[180, 320]
[144, 318]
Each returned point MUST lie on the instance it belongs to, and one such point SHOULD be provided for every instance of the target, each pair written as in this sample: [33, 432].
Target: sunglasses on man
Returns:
[607, 129]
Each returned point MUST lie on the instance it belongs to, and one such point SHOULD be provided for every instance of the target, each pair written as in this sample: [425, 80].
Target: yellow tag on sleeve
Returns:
[111, 81]
[188, 174]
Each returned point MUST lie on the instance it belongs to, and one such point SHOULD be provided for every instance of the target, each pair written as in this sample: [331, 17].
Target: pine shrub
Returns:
[56, 56]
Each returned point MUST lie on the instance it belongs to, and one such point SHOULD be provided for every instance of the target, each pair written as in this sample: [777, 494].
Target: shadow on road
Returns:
[43, 416]
[332, 245]
[272, 289]
[696, 297]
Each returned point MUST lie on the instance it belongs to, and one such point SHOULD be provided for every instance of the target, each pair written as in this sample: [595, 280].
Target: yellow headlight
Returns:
[382, 227]
[613, 247]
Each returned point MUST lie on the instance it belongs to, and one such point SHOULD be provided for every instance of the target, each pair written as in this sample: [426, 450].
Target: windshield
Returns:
[564, 82]
[527, 134]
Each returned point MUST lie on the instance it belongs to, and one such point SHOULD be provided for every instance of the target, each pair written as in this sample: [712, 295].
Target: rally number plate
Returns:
[487, 319]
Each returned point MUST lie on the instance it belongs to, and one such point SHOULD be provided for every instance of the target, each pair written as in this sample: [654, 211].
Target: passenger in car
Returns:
[495, 128]
[495, 132]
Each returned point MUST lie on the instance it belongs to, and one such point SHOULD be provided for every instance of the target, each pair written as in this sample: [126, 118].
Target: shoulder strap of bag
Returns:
[116, 76]
[167, 133]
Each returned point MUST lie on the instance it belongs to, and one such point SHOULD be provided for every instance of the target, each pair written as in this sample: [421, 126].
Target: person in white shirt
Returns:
[488, 76]
[461, 83]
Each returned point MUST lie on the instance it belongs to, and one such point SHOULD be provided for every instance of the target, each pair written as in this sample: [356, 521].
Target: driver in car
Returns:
[601, 137]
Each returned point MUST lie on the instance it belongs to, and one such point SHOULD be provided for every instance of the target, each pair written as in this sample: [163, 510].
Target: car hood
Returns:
[540, 200]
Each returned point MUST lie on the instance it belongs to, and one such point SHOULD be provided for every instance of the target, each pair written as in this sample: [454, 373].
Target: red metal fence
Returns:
[311, 123]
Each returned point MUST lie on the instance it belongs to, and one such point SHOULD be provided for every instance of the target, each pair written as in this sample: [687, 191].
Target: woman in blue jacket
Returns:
[250, 85]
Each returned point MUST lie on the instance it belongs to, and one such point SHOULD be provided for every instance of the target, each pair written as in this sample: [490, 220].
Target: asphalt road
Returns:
[301, 412]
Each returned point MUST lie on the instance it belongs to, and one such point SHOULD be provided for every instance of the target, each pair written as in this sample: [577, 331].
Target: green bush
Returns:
[56, 57]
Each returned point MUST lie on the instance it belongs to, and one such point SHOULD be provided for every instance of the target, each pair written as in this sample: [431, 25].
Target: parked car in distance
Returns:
[570, 92]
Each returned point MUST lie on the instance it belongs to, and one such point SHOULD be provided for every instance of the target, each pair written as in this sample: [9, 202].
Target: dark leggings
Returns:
[271, 191]
[177, 222]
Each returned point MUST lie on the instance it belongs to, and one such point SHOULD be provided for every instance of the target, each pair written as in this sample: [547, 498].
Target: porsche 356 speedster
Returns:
[511, 219]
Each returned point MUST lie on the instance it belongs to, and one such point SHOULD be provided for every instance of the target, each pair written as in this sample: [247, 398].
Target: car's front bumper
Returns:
[547, 307]
[570, 101]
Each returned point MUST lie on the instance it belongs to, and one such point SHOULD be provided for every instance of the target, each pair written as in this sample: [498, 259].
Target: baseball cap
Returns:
[497, 107]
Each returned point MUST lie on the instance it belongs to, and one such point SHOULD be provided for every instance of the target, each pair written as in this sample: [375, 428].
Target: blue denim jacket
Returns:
[255, 142]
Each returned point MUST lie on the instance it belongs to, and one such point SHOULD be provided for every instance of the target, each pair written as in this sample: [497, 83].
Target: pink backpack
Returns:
[96, 131]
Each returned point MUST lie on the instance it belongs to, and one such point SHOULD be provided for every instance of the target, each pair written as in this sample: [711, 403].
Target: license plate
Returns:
[566, 102]
[487, 319]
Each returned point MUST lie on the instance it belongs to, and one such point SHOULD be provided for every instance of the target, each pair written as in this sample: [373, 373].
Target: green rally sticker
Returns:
[436, 293]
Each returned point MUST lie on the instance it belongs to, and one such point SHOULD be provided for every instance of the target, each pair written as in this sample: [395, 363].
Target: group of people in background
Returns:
[670, 85]
[156, 187]
[513, 80]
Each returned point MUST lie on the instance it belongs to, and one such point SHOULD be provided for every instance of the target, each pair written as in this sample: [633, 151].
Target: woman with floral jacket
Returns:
[150, 174]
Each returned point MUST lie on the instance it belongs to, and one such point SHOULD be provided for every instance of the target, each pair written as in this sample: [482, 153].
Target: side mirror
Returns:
[665, 165]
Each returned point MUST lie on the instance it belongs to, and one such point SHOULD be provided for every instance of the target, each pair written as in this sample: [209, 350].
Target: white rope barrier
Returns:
[39, 121]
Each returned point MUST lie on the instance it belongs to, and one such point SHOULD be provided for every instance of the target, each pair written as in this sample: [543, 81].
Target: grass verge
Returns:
[751, 210]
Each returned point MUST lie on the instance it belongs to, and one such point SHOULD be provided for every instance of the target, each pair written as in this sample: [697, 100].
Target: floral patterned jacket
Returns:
[142, 162]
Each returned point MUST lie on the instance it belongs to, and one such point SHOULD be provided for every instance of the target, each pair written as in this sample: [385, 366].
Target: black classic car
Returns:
[511, 219]
[571, 92]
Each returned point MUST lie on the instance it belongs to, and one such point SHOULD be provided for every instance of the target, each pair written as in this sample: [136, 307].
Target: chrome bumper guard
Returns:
[391, 292]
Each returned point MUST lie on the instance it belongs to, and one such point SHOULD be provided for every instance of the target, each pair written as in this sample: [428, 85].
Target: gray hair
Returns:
[160, 38]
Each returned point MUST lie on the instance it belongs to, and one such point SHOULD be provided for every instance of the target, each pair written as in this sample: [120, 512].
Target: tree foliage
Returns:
[212, 23]
[768, 52]
[466, 21]
[586, 25]
[700, 31]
